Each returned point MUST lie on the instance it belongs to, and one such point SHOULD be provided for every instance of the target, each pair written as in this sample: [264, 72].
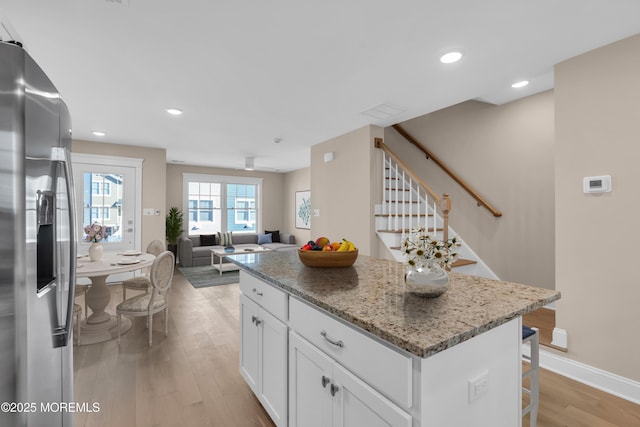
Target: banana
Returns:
[346, 246]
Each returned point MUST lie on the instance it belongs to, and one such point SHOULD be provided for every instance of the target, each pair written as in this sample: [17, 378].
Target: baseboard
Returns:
[608, 382]
[559, 338]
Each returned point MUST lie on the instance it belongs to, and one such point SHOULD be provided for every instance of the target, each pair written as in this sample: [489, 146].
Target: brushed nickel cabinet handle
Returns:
[255, 320]
[337, 343]
[334, 389]
[325, 381]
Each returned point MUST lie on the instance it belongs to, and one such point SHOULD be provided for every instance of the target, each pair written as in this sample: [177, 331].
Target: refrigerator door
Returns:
[49, 254]
[12, 241]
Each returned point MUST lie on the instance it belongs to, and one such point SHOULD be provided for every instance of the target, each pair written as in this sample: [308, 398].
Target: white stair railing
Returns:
[408, 203]
[405, 198]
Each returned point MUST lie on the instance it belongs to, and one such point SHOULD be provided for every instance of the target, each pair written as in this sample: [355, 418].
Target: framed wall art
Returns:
[303, 209]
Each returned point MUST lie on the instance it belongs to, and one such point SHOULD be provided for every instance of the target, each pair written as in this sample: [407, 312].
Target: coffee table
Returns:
[229, 266]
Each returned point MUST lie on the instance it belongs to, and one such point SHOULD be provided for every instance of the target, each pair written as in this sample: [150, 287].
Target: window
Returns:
[221, 203]
[108, 192]
[103, 188]
[99, 201]
[100, 214]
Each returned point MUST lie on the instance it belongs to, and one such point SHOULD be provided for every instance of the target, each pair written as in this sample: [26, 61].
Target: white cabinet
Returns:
[323, 393]
[355, 351]
[263, 357]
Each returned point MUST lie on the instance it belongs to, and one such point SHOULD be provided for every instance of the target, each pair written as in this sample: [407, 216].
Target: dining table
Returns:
[101, 325]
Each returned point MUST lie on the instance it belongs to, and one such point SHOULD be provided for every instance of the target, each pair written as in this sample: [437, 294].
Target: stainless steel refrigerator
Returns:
[37, 246]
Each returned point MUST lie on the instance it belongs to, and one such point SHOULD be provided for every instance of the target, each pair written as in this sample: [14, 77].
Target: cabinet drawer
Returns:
[384, 369]
[267, 296]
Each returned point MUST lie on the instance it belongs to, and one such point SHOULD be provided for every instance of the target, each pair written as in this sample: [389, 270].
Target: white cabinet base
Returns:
[322, 393]
[263, 358]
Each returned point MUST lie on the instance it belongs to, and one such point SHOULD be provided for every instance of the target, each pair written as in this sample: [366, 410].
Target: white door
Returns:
[356, 404]
[310, 380]
[249, 342]
[272, 387]
[108, 194]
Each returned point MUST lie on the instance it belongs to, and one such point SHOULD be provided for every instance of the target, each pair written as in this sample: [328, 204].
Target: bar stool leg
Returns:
[532, 336]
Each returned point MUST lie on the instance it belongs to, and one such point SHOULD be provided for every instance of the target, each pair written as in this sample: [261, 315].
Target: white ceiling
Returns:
[248, 72]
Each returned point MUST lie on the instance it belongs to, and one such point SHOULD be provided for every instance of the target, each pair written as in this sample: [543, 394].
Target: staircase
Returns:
[408, 203]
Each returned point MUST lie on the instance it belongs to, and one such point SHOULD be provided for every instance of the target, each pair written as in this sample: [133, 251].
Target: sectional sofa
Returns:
[192, 253]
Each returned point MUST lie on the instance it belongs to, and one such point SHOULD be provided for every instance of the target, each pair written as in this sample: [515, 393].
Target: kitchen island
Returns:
[354, 345]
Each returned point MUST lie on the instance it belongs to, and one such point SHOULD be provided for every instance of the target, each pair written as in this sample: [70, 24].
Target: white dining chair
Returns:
[148, 304]
[77, 314]
[83, 289]
[142, 282]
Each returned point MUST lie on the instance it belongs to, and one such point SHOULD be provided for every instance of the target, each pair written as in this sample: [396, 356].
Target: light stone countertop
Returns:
[372, 296]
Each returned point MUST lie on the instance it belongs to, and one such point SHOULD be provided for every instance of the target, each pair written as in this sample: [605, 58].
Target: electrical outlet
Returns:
[316, 212]
[147, 211]
[478, 386]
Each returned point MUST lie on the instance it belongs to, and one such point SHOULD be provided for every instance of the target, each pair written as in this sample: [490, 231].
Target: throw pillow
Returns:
[225, 239]
[207, 240]
[275, 235]
[265, 238]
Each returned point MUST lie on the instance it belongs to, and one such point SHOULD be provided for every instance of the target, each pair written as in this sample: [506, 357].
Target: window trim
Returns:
[222, 179]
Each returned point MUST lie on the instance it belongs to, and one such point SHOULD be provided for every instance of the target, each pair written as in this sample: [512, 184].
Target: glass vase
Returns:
[95, 252]
[429, 280]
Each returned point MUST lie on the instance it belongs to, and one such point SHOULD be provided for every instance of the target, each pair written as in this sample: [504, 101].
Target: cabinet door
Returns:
[357, 404]
[249, 342]
[310, 401]
[272, 386]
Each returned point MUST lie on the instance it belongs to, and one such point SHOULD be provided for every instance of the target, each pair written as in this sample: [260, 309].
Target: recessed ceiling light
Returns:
[520, 84]
[277, 140]
[98, 133]
[174, 111]
[450, 58]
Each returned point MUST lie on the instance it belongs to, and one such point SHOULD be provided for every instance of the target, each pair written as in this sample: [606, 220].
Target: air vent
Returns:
[383, 111]
[124, 3]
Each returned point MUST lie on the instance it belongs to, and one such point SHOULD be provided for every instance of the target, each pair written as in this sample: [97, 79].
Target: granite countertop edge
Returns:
[404, 343]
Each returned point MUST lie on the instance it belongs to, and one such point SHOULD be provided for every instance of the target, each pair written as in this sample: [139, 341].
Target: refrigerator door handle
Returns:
[63, 333]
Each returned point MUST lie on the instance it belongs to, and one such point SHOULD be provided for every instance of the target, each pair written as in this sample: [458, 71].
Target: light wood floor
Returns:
[191, 377]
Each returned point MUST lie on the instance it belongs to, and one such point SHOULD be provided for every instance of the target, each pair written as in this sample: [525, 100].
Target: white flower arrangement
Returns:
[421, 250]
[95, 232]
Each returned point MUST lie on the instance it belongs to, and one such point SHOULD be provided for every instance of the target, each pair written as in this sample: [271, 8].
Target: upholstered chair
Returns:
[142, 282]
[147, 304]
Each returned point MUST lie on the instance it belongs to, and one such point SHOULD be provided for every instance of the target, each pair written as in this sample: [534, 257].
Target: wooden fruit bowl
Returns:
[327, 258]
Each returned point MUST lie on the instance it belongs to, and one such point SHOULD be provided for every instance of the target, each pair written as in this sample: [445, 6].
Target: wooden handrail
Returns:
[381, 145]
[481, 201]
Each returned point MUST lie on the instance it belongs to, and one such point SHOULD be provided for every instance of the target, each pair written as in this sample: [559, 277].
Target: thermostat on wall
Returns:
[597, 184]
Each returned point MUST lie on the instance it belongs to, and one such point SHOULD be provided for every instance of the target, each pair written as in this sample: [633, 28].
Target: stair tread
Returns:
[406, 230]
[459, 262]
[421, 215]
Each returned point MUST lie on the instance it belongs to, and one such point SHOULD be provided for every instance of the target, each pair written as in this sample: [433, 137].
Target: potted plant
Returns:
[173, 229]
